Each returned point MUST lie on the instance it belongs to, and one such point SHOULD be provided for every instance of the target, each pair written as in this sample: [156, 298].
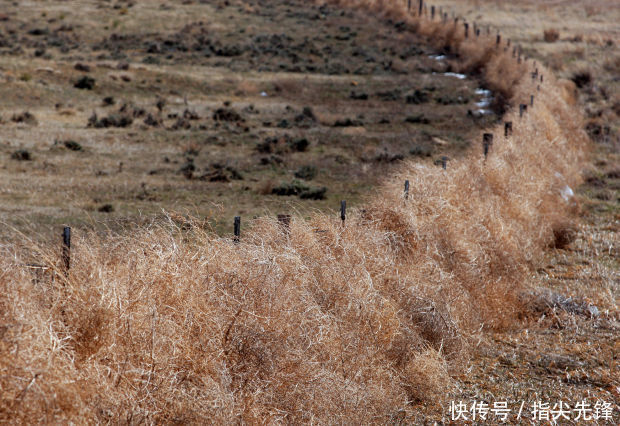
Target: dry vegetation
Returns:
[212, 117]
[365, 323]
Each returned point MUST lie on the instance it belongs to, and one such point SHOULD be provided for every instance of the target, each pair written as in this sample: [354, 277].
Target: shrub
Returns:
[85, 82]
[299, 145]
[293, 188]
[306, 172]
[313, 194]
[551, 35]
[73, 145]
[21, 155]
[24, 117]
[582, 78]
[106, 208]
[112, 120]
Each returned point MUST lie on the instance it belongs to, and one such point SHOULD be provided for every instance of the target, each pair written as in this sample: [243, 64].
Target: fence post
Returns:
[507, 128]
[407, 189]
[487, 141]
[498, 39]
[237, 229]
[343, 211]
[66, 249]
[466, 25]
[522, 109]
[285, 223]
[432, 13]
[408, 5]
[532, 100]
[420, 7]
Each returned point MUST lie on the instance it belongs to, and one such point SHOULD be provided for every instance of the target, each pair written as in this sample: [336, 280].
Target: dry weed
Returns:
[322, 324]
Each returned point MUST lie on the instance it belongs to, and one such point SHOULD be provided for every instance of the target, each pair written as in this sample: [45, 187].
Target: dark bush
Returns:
[21, 155]
[298, 145]
[297, 188]
[348, 123]
[86, 82]
[73, 145]
[359, 96]
[293, 188]
[188, 168]
[82, 67]
[314, 194]
[582, 79]
[417, 119]
[226, 114]
[306, 172]
[418, 97]
[24, 117]
[421, 151]
[106, 208]
[112, 120]
[152, 121]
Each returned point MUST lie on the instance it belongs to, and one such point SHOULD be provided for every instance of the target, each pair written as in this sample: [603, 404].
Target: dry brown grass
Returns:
[330, 324]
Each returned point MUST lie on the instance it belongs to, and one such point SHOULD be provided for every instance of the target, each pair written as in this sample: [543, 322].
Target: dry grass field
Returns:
[209, 109]
[148, 125]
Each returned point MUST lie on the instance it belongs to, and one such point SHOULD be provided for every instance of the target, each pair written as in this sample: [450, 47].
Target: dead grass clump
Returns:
[427, 378]
[551, 35]
[564, 233]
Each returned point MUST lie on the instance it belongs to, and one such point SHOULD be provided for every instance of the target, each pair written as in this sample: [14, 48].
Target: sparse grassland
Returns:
[205, 109]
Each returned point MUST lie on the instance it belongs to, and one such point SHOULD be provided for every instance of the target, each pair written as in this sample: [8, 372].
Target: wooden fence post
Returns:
[487, 142]
[66, 249]
[466, 25]
[522, 109]
[406, 189]
[408, 5]
[421, 5]
[343, 211]
[237, 229]
[507, 128]
[532, 100]
[444, 162]
[432, 13]
[285, 223]
[498, 39]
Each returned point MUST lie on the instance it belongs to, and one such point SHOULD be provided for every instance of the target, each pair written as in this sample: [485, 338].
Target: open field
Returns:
[211, 109]
[490, 281]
